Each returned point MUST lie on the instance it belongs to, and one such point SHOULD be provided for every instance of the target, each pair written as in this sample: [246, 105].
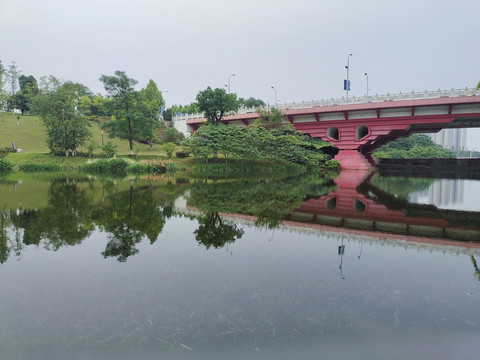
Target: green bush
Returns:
[331, 165]
[6, 165]
[169, 148]
[109, 150]
[111, 166]
[41, 167]
[182, 154]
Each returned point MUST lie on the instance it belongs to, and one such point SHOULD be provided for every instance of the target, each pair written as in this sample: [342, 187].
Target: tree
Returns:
[67, 128]
[215, 104]
[28, 90]
[2, 82]
[12, 77]
[132, 118]
[251, 102]
[153, 100]
[271, 118]
[169, 148]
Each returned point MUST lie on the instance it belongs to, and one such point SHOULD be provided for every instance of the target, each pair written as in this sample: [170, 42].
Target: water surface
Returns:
[157, 269]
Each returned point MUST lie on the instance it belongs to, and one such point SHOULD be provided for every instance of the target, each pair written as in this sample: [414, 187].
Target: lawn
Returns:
[29, 134]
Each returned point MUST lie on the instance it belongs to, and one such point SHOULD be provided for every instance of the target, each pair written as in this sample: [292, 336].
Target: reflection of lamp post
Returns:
[366, 75]
[341, 251]
[102, 138]
[229, 76]
[347, 87]
[275, 95]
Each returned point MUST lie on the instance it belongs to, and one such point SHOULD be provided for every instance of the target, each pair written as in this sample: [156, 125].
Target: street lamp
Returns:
[229, 76]
[347, 85]
[366, 75]
[275, 95]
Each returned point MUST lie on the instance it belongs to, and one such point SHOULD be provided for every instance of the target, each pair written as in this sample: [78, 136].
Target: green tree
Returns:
[416, 146]
[67, 128]
[153, 102]
[131, 118]
[215, 104]
[273, 118]
[28, 90]
[12, 77]
[2, 83]
[251, 102]
[169, 148]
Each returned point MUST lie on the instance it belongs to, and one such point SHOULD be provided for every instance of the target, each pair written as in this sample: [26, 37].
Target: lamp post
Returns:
[347, 85]
[366, 75]
[229, 76]
[275, 95]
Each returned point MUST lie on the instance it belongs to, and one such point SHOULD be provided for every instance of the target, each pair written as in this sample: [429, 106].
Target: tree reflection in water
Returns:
[213, 231]
[127, 217]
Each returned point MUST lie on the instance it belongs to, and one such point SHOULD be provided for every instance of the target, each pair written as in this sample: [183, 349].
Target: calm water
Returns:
[155, 269]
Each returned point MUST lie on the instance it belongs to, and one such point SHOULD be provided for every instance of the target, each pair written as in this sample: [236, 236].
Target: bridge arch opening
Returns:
[361, 132]
[359, 206]
[333, 133]
[331, 203]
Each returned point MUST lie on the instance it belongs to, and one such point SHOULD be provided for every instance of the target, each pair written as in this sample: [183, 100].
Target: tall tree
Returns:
[153, 102]
[130, 114]
[12, 77]
[28, 89]
[2, 82]
[215, 104]
[67, 128]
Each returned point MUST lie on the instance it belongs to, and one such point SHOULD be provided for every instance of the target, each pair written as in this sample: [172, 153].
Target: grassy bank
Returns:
[29, 134]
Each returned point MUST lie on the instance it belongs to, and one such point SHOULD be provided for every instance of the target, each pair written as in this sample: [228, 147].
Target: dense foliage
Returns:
[255, 142]
[135, 114]
[216, 103]
[57, 107]
[416, 146]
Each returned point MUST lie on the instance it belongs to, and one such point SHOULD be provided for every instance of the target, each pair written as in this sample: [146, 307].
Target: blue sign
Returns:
[346, 85]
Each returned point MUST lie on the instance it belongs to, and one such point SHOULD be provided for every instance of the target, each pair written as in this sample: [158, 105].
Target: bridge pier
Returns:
[354, 159]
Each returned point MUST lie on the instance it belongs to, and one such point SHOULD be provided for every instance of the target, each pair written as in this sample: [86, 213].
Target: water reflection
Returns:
[132, 210]
[287, 283]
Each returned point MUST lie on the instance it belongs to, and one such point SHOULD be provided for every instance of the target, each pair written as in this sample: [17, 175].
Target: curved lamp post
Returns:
[229, 76]
[275, 95]
[366, 75]
[348, 73]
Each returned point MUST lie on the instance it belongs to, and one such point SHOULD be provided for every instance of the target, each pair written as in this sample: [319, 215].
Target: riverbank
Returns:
[468, 168]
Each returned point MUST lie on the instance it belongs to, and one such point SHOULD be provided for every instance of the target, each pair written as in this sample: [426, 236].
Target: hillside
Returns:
[30, 136]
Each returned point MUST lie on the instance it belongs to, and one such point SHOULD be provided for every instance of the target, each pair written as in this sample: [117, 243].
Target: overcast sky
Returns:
[300, 47]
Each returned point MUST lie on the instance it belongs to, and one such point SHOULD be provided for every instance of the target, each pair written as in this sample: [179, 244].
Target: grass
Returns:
[31, 137]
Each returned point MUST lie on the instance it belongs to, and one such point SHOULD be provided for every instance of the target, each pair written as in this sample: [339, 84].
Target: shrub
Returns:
[182, 154]
[91, 148]
[6, 165]
[41, 167]
[112, 166]
[109, 150]
[169, 149]
[153, 167]
[331, 165]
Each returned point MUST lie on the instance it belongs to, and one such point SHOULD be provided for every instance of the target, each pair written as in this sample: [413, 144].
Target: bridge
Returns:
[358, 126]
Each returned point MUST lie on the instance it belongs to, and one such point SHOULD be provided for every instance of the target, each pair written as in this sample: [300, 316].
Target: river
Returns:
[358, 266]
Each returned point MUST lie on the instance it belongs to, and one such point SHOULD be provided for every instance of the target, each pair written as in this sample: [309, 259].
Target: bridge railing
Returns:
[414, 95]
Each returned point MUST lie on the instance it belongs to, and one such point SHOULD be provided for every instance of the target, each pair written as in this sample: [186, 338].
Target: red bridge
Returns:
[357, 129]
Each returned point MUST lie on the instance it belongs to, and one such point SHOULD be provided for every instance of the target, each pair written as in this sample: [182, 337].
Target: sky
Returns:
[299, 47]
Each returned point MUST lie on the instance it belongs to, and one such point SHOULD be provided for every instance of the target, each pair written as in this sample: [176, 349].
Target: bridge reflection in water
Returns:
[358, 205]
